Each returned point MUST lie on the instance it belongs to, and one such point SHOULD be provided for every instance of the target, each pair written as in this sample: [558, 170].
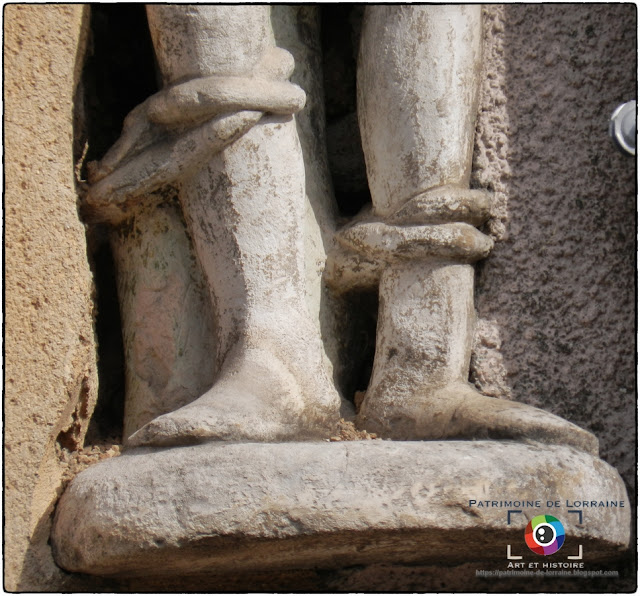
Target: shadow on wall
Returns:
[560, 283]
[40, 573]
[119, 74]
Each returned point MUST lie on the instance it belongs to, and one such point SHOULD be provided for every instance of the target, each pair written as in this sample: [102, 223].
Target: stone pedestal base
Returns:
[231, 507]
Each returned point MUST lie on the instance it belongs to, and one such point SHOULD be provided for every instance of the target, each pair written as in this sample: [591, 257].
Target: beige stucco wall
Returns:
[50, 368]
[556, 298]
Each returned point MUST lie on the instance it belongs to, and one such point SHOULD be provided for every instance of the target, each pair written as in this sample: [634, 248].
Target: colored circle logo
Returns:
[544, 534]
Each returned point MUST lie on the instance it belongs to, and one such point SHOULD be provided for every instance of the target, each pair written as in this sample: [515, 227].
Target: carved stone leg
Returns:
[419, 383]
[245, 214]
[167, 325]
[220, 508]
[417, 106]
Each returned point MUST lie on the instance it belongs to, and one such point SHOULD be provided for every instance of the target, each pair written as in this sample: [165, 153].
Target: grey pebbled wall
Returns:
[556, 298]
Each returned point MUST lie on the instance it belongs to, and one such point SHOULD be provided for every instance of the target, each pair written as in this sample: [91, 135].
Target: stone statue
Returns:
[418, 77]
[222, 131]
[244, 486]
[244, 212]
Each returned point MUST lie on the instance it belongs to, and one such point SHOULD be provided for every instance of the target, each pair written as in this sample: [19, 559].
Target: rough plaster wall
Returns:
[556, 297]
[50, 370]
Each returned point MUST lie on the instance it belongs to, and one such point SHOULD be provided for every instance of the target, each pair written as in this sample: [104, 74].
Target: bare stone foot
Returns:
[256, 398]
[458, 411]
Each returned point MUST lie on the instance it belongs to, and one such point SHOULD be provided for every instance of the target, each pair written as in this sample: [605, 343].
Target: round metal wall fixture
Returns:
[622, 127]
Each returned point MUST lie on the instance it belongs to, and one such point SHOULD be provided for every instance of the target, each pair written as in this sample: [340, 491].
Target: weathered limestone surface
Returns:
[235, 507]
[49, 358]
[169, 335]
[241, 183]
[167, 325]
[418, 82]
[297, 29]
[417, 98]
[554, 331]
[259, 504]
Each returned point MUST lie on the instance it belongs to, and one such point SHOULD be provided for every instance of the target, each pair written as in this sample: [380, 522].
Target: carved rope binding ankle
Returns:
[438, 223]
[175, 131]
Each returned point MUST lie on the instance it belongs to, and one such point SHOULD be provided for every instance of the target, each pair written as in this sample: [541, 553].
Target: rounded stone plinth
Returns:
[229, 507]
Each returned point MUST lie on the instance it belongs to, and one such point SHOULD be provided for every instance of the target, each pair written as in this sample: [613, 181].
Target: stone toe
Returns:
[487, 417]
[163, 431]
